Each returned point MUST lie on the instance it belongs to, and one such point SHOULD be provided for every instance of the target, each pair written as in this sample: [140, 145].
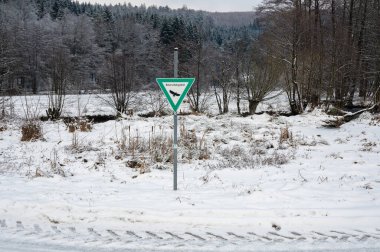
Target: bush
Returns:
[3, 127]
[53, 113]
[284, 134]
[31, 130]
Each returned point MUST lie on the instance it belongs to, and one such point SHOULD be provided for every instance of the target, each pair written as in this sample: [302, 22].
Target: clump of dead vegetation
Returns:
[367, 145]
[193, 147]
[249, 148]
[6, 107]
[31, 131]
[55, 166]
[160, 148]
[141, 151]
[79, 124]
[250, 158]
[139, 165]
[3, 127]
[131, 143]
[157, 146]
[286, 135]
[375, 121]
[51, 166]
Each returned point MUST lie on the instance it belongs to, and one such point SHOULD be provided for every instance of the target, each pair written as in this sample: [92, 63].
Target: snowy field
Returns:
[241, 186]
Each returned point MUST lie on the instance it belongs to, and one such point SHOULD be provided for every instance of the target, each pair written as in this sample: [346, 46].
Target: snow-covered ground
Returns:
[236, 176]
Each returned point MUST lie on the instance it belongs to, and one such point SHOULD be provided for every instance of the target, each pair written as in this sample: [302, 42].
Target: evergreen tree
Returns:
[41, 9]
[107, 16]
[57, 10]
[155, 21]
[166, 34]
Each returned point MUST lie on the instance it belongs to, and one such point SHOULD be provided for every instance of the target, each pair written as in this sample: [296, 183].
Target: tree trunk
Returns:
[225, 101]
[352, 80]
[34, 84]
[332, 84]
[238, 91]
[218, 100]
[361, 63]
[295, 101]
[198, 77]
[253, 106]
[376, 96]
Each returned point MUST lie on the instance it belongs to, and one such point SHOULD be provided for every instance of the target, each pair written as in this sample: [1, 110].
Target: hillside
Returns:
[89, 36]
[234, 19]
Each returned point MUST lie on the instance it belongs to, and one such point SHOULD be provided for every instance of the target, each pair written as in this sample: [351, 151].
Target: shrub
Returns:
[286, 135]
[31, 130]
[53, 113]
[85, 125]
[3, 128]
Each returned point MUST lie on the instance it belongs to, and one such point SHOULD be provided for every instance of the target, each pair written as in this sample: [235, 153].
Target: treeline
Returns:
[317, 51]
[45, 44]
[330, 49]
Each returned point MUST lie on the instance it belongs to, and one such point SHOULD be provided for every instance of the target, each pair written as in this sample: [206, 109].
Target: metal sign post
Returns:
[175, 90]
[175, 146]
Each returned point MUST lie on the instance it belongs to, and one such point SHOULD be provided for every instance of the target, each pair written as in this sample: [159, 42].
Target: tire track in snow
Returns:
[59, 234]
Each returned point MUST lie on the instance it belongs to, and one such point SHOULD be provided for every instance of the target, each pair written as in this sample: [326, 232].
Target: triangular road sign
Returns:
[175, 89]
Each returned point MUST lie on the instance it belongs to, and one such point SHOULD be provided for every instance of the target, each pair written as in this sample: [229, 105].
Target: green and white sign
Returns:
[175, 89]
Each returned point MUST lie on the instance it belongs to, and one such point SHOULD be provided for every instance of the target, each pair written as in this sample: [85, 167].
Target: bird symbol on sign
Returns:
[174, 93]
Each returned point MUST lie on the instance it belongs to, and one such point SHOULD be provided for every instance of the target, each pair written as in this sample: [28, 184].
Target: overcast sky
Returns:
[209, 5]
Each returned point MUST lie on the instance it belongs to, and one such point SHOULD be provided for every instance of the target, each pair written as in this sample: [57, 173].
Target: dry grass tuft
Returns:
[375, 121]
[138, 165]
[285, 135]
[83, 125]
[157, 147]
[3, 128]
[192, 146]
[31, 131]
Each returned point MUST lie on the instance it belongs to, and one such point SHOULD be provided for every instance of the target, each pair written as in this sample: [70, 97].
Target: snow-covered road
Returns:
[20, 237]
[17, 246]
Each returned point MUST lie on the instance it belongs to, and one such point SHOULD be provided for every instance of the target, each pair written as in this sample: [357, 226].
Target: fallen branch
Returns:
[347, 117]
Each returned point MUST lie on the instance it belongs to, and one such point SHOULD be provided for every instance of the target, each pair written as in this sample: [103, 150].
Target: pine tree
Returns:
[107, 16]
[166, 34]
[57, 10]
[41, 10]
[155, 21]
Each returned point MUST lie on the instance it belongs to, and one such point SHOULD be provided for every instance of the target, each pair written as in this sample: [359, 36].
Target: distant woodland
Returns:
[317, 51]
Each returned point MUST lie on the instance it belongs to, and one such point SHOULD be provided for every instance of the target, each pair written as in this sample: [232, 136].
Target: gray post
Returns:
[175, 146]
[175, 62]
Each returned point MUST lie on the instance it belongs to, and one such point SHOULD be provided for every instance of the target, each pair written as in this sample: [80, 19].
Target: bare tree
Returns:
[197, 67]
[118, 75]
[80, 39]
[261, 79]
[241, 58]
[222, 73]
[284, 29]
[193, 56]
[58, 76]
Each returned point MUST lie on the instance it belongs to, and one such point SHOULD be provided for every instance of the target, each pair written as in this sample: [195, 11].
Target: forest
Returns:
[316, 51]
